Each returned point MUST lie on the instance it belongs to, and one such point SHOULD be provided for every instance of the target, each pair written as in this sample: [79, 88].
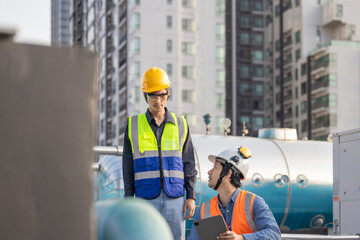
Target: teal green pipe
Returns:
[130, 219]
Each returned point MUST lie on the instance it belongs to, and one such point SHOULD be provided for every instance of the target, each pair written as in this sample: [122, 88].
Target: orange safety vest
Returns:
[242, 221]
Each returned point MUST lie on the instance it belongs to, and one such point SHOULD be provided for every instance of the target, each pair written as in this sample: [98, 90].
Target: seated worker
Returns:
[247, 216]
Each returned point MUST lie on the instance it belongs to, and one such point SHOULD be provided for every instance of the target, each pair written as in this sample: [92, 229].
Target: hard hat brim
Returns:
[213, 158]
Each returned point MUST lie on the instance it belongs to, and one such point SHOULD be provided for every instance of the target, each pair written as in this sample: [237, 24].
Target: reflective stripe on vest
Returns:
[242, 218]
[146, 156]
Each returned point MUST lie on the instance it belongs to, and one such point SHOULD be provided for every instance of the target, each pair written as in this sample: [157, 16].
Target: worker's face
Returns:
[214, 174]
[157, 100]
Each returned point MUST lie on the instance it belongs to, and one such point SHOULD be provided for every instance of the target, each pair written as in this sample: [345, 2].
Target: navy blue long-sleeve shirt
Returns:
[187, 156]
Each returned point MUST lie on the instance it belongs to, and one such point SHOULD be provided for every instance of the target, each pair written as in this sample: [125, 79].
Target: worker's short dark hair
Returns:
[235, 178]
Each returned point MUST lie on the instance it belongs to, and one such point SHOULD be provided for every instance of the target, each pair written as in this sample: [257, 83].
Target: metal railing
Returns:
[315, 236]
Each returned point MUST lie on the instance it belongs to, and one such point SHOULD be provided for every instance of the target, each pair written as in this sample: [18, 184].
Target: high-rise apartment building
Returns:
[185, 38]
[313, 74]
[60, 32]
[245, 65]
[310, 54]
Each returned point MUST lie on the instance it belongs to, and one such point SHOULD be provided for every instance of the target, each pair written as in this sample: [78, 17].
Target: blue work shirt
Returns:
[263, 217]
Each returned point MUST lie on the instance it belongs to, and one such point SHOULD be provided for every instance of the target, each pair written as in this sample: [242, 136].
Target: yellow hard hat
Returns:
[154, 79]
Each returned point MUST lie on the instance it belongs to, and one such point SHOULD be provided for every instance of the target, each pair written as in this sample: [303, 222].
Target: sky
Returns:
[31, 18]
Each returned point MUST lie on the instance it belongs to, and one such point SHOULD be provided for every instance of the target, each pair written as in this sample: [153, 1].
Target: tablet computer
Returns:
[210, 228]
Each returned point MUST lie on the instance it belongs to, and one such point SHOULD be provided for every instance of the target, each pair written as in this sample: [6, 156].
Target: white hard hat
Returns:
[239, 158]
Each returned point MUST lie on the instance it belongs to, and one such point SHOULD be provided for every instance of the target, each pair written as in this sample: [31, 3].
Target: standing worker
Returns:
[246, 215]
[158, 156]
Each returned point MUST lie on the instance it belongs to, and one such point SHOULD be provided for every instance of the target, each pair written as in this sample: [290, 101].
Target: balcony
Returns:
[122, 39]
[122, 107]
[332, 14]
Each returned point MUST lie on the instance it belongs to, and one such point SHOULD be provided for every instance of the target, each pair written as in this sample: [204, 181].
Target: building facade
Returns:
[310, 63]
[185, 38]
[60, 32]
[245, 65]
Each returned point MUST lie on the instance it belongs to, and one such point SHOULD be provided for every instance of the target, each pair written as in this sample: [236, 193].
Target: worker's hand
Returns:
[230, 235]
[189, 205]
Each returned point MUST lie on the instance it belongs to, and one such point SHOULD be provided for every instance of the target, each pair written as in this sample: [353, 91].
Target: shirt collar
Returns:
[232, 199]
[168, 116]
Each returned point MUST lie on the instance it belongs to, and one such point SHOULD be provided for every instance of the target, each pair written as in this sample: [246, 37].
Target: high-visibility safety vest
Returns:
[242, 217]
[147, 156]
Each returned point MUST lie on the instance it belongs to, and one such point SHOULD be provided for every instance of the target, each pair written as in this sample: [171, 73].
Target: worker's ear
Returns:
[228, 175]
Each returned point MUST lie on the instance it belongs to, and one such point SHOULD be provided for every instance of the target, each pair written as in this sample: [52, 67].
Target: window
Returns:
[332, 100]
[187, 3]
[318, 35]
[244, 38]
[135, 22]
[169, 2]
[220, 54]
[220, 78]
[257, 122]
[296, 111]
[332, 79]
[244, 5]
[296, 92]
[297, 2]
[245, 119]
[333, 59]
[188, 72]
[245, 54]
[351, 30]
[169, 69]
[135, 46]
[257, 22]
[188, 95]
[169, 45]
[169, 21]
[220, 31]
[113, 131]
[296, 74]
[219, 127]
[102, 105]
[277, 10]
[303, 126]
[220, 7]
[303, 69]
[298, 54]
[303, 88]
[257, 55]
[191, 119]
[258, 105]
[244, 72]
[297, 36]
[303, 106]
[257, 5]
[137, 94]
[245, 88]
[188, 25]
[277, 98]
[257, 39]
[102, 126]
[135, 70]
[220, 101]
[277, 45]
[113, 110]
[339, 11]
[258, 72]
[244, 21]
[257, 89]
[277, 63]
[188, 48]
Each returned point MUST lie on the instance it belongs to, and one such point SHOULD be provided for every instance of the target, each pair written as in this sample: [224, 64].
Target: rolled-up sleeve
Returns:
[128, 166]
[189, 167]
[265, 222]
